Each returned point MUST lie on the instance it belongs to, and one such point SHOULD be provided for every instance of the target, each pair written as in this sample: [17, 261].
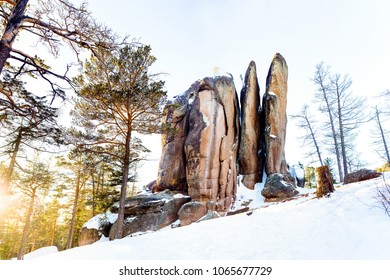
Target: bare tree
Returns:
[349, 112]
[381, 135]
[345, 113]
[305, 121]
[52, 22]
[323, 95]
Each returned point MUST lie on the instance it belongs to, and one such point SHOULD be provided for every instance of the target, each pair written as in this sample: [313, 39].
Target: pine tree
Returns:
[35, 179]
[118, 96]
[26, 119]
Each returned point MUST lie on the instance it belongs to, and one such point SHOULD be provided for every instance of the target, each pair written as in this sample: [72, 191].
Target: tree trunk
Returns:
[126, 164]
[324, 181]
[26, 226]
[10, 170]
[341, 128]
[314, 141]
[94, 192]
[320, 82]
[382, 135]
[74, 212]
[336, 144]
[11, 31]
[53, 233]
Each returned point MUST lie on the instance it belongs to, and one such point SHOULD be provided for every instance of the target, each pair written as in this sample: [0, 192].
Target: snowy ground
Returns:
[347, 225]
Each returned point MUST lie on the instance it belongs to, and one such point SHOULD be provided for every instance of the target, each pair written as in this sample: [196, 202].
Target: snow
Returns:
[271, 93]
[347, 225]
[297, 172]
[180, 195]
[97, 221]
[41, 252]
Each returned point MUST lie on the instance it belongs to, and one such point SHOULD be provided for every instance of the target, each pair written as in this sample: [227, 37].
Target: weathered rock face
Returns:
[150, 212]
[95, 228]
[88, 236]
[278, 187]
[192, 212]
[361, 175]
[250, 154]
[212, 143]
[275, 116]
[175, 131]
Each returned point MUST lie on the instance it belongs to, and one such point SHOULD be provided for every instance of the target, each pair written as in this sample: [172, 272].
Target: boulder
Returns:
[279, 187]
[212, 143]
[361, 175]
[88, 236]
[171, 172]
[250, 153]
[275, 117]
[150, 212]
[192, 212]
[96, 227]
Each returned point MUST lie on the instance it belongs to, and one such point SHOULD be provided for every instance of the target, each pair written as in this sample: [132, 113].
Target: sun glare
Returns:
[3, 203]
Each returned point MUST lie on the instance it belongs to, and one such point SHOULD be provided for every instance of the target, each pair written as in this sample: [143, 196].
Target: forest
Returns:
[69, 135]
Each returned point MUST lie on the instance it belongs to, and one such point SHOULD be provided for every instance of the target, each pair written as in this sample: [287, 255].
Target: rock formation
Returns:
[251, 153]
[275, 116]
[150, 211]
[204, 137]
[212, 143]
[279, 184]
[174, 123]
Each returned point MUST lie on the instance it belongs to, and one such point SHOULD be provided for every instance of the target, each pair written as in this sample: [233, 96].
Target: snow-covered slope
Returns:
[347, 225]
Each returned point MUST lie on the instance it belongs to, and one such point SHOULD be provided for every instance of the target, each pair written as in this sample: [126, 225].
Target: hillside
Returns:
[348, 225]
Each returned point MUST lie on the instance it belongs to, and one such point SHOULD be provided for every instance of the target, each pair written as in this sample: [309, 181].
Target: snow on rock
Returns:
[99, 221]
[96, 228]
[347, 225]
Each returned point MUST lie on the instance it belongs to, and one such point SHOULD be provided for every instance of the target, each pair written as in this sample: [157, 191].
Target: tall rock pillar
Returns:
[172, 172]
[251, 154]
[275, 116]
[212, 143]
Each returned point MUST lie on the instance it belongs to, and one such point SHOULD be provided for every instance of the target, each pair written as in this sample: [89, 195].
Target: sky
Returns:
[196, 39]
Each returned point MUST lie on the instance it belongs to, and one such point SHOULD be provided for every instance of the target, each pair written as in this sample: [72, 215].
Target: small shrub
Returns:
[384, 197]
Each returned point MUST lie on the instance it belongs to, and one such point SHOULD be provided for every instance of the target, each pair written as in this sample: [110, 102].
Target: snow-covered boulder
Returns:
[150, 212]
[96, 227]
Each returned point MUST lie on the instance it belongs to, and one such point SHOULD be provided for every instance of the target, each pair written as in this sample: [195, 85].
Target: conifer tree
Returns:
[25, 120]
[118, 96]
[35, 179]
